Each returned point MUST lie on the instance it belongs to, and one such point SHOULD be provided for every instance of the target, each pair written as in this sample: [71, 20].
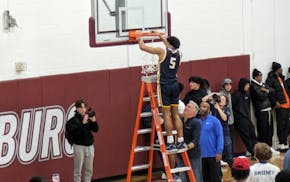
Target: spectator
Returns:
[197, 91]
[263, 171]
[222, 112]
[287, 156]
[283, 176]
[211, 138]
[226, 91]
[191, 130]
[241, 169]
[260, 94]
[81, 126]
[281, 102]
[241, 108]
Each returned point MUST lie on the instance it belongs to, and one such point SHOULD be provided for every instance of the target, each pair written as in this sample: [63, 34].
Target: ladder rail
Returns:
[135, 134]
[151, 152]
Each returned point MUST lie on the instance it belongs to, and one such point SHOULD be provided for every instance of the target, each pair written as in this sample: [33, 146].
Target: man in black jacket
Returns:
[80, 126]
[281, 103]
[191, 131]
[260, 95]
[241, 109]
[197, 90]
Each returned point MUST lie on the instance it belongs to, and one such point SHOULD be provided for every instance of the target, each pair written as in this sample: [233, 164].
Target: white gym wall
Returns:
[52, 37]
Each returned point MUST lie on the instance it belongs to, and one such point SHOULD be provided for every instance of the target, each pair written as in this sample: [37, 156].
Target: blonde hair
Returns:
[262, 152]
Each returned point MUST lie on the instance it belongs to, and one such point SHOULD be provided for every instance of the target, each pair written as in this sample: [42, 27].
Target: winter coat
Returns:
[273, 82]
[260, 99]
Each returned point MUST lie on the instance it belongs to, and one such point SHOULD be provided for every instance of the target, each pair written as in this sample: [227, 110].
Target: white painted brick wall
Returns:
[52, 37]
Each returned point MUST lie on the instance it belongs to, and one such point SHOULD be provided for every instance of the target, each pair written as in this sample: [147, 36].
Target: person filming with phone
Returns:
[79, 134]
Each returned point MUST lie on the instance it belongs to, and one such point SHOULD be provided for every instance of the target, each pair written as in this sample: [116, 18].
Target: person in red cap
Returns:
[241, 169]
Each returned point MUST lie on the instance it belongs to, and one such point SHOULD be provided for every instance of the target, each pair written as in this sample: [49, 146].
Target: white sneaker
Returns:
[163, 176]
[274, 152]
[280, 146]
[285, 146]
[223, 163]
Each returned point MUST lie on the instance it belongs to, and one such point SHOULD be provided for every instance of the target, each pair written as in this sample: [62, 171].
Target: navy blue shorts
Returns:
[169, 94]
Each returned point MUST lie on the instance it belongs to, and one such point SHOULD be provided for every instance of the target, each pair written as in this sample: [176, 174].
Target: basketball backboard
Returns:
[112, 20]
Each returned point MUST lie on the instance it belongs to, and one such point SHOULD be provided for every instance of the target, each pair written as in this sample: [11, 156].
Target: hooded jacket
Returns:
[241, 102]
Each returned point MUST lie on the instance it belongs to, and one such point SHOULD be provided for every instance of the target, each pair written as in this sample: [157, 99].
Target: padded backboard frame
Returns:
[119, 36]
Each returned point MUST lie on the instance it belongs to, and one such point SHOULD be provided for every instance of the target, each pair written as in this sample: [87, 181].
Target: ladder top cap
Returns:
[149, 79]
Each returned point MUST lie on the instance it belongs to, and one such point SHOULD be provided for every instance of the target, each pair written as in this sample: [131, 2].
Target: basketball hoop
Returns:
[134, 35]
[149, 61]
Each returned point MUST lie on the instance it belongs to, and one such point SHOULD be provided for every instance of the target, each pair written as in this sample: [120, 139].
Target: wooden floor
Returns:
[276, 160]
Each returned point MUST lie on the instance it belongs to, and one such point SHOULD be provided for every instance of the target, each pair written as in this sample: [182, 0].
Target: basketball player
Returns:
[169, 61]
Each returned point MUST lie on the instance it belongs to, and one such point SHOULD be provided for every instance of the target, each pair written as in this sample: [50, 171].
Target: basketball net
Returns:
[149, 64]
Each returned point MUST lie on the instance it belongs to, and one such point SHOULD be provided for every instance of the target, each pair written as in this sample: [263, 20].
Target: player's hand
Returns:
[85, 119]
[218, 157]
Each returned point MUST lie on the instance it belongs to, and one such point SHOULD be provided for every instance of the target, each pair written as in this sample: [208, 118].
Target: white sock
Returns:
[180, 139]
[170, 139]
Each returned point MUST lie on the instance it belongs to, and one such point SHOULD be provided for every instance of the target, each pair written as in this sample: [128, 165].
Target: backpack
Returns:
[68, 132]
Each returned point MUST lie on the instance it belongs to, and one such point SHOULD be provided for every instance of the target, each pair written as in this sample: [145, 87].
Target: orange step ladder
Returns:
[147, 85]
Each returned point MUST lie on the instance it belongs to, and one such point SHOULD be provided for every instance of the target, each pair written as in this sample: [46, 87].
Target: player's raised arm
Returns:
[152, 50]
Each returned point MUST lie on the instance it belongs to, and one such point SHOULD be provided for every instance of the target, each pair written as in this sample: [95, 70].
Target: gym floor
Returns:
[276, 160]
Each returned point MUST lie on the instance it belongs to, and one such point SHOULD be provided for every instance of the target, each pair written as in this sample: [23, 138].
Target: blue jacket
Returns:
[287, 160]
[211, 137]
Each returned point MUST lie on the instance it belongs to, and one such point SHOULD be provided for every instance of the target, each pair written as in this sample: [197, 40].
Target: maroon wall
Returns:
[114, 96]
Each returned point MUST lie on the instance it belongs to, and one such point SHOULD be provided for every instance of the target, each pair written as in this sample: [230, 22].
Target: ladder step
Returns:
[148, 114]
[144, 131]
[142, 148]
[148, 130]
[147, 99]
[140, 167]
[180, 169]
[177, 151]
[149, 79]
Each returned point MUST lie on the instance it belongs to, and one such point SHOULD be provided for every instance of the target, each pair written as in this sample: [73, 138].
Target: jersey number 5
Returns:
[172, 63]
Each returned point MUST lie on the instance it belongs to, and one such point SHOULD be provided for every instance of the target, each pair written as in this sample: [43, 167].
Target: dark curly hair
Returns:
[174, 41]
